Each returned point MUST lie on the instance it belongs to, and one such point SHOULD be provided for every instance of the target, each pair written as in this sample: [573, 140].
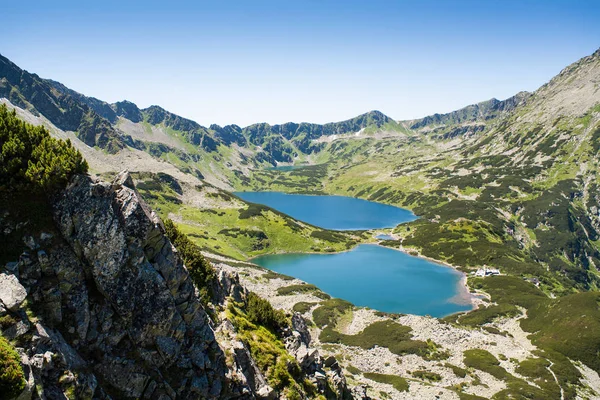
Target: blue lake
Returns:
[378, 277]
[332, 212]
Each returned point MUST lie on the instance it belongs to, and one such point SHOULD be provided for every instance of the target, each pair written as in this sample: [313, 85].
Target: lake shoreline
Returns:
[462, 297]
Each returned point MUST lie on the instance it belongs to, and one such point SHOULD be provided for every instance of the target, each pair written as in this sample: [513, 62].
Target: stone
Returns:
[168, 348]
[12, 268]
[12, 293]
[27, 392]
[44, 261]
[44, 237]
[16, 330]
[30, 242]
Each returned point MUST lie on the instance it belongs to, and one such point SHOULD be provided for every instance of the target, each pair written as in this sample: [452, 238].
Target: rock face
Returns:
[12, 293]
[103, 307]
[146, 292]
[120, 315]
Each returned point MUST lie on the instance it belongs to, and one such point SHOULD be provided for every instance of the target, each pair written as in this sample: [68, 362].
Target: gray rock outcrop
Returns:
[120, 316]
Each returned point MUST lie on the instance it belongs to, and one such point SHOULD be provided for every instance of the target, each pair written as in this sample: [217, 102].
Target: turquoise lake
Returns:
[332, 212]
[378, 277]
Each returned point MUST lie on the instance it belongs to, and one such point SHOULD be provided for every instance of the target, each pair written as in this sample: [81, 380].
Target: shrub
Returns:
[329, 236]
[398, 382]
[261, 312]
[30, 159]
[253, 210]
[397, 338]
[201, 272]
[485, 361]
[306, 288]
[427, 375]
[329, 311]
[458, 371]
[12, 379]
[303, 307]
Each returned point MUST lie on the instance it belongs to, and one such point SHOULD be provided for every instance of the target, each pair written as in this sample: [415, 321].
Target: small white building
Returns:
[487, 272]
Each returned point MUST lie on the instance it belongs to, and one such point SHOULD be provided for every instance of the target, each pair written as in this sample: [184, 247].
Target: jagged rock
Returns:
[246, 365]
[147, 302]
[120, 314]
[27, 392]
[16, 330]
[228, 285]
[12, 268]
[30, 242]
[360, 392]
[44, 237]
[12, 293]
[299, 325]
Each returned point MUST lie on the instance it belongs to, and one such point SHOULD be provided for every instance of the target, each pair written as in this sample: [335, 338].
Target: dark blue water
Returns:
[384, 237]
[332, 212]
[377, 277]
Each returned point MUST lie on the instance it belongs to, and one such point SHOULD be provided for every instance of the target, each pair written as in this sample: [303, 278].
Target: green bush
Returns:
[353, 370]
[306, 288]
[397, 338]
[200, 270]
[303, 307]
[12, 379]
[329, 236]
[329, 311]
[261, 312]
[458, 371]
[485, 361]
[274, 275]
[253, 210]
[398, 382]
[427, 375]
[30, 159]
[484, 315]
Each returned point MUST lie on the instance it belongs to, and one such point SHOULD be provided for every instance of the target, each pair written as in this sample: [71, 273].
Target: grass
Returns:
[353, 370]
[399, 383]
[458, 371]
[485, 361]
[274, 275]
[280, 368]
[299, 289]
[303, 307]
[397, 338]
[485, 315]
[329, 311]
[12, 379]
[427, 375]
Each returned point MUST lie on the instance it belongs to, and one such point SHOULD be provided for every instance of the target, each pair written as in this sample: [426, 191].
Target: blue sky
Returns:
[319, 61]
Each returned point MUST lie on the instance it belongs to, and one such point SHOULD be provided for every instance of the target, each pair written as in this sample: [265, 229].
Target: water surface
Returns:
[378, 277]
[332, 212]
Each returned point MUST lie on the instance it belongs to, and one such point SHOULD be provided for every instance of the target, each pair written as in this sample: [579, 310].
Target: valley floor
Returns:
[441, 373]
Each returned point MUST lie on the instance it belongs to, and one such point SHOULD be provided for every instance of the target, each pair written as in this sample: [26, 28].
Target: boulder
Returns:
[12, 293]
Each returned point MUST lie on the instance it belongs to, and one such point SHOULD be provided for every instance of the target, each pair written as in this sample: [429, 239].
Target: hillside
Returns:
[505, 184]
[101, 299]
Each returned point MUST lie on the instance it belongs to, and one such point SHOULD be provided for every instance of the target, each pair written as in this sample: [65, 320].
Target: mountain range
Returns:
[510, 185]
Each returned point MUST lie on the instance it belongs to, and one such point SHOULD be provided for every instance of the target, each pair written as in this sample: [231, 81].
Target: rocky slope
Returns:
[40, 96]
[100, 305]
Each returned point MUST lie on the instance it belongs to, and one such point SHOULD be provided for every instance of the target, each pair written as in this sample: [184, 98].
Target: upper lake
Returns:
[380, 278]
[332, 212]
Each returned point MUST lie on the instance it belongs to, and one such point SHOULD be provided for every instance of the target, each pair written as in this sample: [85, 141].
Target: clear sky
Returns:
[242, 62]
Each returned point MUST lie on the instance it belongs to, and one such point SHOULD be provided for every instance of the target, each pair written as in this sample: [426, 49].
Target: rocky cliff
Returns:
[102, 306]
